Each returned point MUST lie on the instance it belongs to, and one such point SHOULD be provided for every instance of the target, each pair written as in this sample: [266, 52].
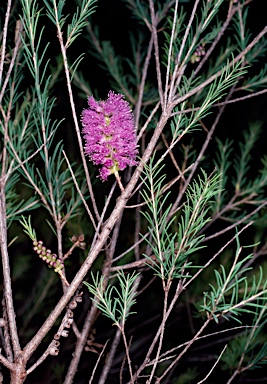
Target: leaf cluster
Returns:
[172, 250]
[113, 302]
[248, 351]
[231, 295]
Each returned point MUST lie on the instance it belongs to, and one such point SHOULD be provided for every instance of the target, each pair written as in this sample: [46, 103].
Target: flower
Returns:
[110, 138]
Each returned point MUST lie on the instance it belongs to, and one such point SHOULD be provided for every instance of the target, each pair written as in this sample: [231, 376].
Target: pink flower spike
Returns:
[110, 138]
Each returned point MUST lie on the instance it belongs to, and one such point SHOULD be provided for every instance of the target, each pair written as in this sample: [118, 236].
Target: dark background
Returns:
[115, 23]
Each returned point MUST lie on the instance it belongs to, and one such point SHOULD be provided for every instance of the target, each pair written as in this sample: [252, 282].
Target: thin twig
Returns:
[12, 62]
[137, 109]
[204, 326]
[179, 66]
[156, 360]
[170, 53]
[199, 158]
[79, 191]
[157, 55]
[73, 110]
[167, 355]
[214, 365]
[230, 13]
[4, 39]
[97, 362]
[216, 255]
[100, 223]
[180, 99]
[242, 220]
[110, 357]
[190, 110]
[80, 344]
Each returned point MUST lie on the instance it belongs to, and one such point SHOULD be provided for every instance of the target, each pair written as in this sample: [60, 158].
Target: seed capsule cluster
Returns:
[50, 258]
[66, 324]
[79, 240]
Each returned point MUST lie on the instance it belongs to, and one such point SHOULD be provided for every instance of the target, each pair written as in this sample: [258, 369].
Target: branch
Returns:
[8, 295]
